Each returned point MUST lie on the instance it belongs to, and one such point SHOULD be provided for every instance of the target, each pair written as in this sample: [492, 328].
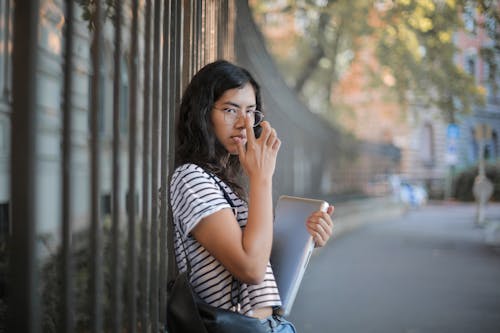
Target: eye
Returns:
[231, 111]
[250, 112]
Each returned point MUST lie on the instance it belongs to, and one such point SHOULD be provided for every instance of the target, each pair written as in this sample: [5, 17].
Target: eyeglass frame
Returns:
[240, 112]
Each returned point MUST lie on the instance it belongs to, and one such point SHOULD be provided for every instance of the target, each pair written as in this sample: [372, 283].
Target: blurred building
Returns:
[477, 35]
[437, 150]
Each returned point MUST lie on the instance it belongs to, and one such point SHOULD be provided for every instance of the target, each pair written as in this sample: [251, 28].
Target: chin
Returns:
[232, 149]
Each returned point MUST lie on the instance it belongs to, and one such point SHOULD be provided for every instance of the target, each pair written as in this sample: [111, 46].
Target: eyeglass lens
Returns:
[255, 116]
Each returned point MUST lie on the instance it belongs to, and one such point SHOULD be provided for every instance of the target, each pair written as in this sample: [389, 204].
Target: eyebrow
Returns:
[237, 105]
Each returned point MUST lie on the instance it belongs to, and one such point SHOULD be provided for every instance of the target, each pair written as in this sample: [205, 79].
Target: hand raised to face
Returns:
[258, 157]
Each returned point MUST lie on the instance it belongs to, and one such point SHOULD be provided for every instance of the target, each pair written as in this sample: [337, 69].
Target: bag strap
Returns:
[175, 271]
[236, 305]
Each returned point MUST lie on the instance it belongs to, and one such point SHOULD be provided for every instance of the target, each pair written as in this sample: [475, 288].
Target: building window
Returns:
[474, 149]
[490, 25]
[487, 152]
[427, 145]
[470, 65]
[494, 144]
[491, 82]
[469, 18]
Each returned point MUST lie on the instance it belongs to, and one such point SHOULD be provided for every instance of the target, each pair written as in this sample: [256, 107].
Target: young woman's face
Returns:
[228, 116]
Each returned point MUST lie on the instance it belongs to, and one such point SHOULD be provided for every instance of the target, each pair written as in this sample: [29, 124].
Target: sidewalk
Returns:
[353, 214]
[491, 225]
[350, 215]
[424, 271]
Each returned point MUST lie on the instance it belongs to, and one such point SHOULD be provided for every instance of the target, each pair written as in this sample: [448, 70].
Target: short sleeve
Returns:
[194, 196]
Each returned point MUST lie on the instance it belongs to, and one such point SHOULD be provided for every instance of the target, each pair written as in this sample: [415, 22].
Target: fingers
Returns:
[266, 131]
[249, 130]
[241, 148]
[271, 140]
[258, 156]
[320, 226]
[277, 144]
[269, 136]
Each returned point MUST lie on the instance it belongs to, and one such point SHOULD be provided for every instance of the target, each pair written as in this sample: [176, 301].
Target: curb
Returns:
[351, 215]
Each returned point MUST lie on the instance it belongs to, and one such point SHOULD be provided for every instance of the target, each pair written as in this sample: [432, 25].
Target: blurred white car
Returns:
[413, 195]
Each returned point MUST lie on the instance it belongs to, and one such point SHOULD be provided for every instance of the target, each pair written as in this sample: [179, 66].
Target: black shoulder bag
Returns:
[188, 313]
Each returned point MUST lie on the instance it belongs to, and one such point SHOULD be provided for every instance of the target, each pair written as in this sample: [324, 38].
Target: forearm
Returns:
[258, 233]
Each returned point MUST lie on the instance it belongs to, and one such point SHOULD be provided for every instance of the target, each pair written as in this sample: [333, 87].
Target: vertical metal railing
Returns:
[96, 107]
[177, 40]
[167, 17]
[186, 45]
[198, 36]
[219, 15]
[231, 24]
[194, 36]
[132, 257]
[203, 29]
[172, 77]
[67, 320]
[155, 167]
[116, 280]
[24, 302]
[146, 144]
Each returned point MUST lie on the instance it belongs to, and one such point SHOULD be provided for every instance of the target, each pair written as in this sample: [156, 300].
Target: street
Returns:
[426, 271]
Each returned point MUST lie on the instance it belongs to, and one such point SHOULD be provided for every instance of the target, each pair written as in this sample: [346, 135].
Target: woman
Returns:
[226, 231]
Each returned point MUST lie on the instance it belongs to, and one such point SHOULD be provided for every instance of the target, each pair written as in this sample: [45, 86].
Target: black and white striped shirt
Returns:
[194, 196]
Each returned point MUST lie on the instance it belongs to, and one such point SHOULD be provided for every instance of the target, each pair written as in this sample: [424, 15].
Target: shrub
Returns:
[463, 183]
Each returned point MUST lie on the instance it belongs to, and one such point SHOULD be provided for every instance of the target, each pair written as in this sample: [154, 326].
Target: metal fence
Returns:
[97, 261]
[88, 95]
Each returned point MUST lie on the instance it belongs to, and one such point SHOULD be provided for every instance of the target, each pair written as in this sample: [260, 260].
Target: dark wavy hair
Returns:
[195, 137]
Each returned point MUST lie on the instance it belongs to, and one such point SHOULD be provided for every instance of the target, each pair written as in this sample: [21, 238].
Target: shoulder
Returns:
[188, 172]
[194, 195]
[191, 176]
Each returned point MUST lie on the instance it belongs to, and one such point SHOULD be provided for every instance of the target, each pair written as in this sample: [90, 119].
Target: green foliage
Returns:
[411, 41]
[464, 182]
[88, 11]
[325, 42]
[416, 45]
[51, 280]
[491, 11]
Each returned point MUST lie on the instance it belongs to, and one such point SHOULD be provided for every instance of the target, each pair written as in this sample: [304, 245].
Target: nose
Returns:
[240, 120]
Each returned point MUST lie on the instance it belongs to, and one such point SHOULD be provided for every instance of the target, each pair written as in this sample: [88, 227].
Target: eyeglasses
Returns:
[231, 115]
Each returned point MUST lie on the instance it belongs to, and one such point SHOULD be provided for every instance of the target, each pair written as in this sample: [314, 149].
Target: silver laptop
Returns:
[292, 245]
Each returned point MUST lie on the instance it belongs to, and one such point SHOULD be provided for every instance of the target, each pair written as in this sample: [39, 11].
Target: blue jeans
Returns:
[278, 324]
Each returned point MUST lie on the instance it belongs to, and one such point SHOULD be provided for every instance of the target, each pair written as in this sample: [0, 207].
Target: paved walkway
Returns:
[427, 271]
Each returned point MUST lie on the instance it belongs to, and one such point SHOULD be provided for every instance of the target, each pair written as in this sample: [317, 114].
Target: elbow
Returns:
[253, 280]
[253, 276]
[256, 279]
